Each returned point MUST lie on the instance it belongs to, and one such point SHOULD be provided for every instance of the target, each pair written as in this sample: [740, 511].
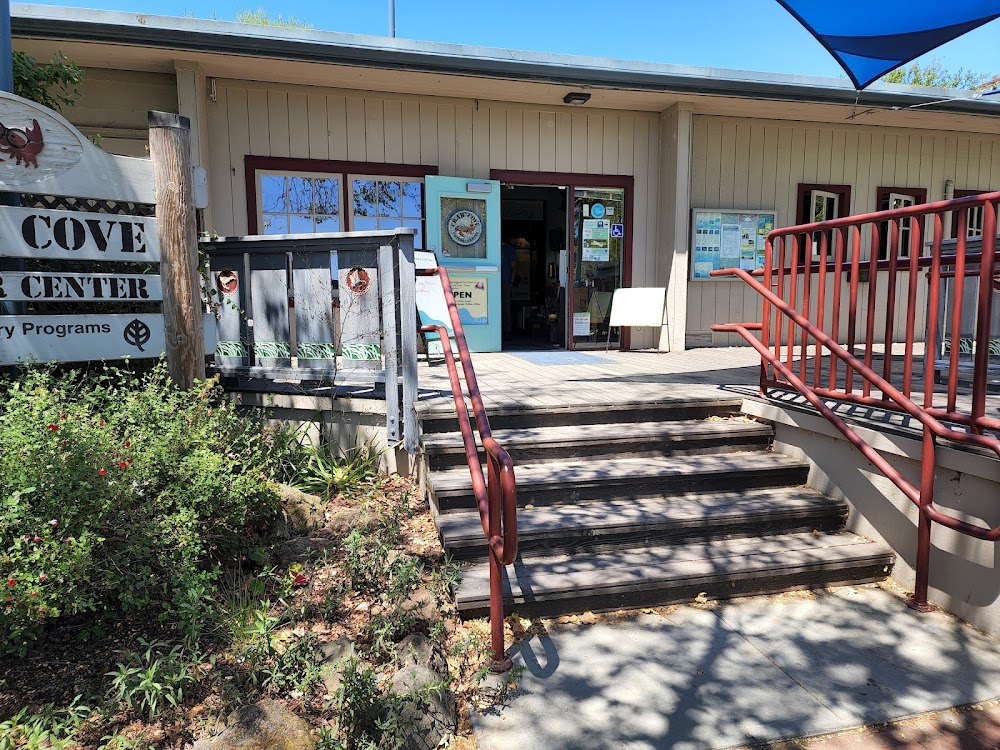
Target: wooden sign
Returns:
[41, 152]
[76, 235]
[70, 287]
[79, 338]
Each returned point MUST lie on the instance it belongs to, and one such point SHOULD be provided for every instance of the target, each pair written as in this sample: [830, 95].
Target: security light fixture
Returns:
[576, 97]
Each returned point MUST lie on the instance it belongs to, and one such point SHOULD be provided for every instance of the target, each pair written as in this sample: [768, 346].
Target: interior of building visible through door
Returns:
[564, 254]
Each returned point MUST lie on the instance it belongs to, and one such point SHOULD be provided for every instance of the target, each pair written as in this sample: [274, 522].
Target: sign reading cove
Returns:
[78, 338]
[42, 153]
[75, 235]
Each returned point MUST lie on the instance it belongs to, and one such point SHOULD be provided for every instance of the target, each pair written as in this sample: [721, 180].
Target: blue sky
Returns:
[741, 34]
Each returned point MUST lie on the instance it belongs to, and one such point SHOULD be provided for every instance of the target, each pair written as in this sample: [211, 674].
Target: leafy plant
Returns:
[147, 681]
[296, 668]
[50, 727]
[325, 472]
[118, 491]
[367, 716]
[54, 85]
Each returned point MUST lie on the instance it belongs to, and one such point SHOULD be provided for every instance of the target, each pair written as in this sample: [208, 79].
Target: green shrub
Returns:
[151, 680]
[50, 728]
[119, 491]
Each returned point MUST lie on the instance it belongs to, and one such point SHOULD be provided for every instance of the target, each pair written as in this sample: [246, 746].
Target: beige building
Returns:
[311, 131]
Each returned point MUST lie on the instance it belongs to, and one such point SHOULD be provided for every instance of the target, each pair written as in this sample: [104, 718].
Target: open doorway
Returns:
[533, 222]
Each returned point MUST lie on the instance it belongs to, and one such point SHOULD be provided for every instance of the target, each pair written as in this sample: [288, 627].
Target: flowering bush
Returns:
[119, 491]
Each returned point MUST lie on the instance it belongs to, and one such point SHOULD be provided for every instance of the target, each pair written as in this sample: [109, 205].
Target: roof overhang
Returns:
[157, 41]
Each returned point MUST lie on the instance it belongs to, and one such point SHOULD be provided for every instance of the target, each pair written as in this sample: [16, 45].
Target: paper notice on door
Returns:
[581, 324]
[596, 240]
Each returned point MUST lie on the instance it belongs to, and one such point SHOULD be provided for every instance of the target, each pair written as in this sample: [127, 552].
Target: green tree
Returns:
[261, 17]
[54, 85]
[935, 75]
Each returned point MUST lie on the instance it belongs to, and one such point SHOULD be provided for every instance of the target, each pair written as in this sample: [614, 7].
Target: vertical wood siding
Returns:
[461, 138]
[759, 164]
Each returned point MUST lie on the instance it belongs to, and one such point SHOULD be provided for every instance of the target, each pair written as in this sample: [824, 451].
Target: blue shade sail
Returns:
[869, 38]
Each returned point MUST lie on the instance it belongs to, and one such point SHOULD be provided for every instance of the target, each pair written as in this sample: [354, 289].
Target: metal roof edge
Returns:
[308, 45]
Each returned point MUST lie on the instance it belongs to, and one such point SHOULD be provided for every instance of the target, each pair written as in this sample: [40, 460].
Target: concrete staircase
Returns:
[643, 505]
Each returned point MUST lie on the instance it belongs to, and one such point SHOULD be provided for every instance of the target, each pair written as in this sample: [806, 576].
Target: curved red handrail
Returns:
[834, 238]
[496, 493]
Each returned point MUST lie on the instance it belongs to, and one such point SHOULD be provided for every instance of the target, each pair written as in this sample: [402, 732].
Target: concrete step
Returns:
[648, 521]
[530, 445]
[626, 478]
[442, 418]
[653, 576]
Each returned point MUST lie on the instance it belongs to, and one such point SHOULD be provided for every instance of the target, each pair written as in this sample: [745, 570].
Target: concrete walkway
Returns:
[744, 673]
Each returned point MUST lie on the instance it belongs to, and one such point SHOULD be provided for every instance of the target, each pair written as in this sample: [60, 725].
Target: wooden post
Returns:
[170, 149]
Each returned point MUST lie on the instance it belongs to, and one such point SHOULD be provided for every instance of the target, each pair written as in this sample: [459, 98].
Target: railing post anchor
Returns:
[499, 667]
[916, 606]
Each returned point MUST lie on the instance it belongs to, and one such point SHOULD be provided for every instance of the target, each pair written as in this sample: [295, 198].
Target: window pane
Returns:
[327, 223]
[418, 241]
[364, 225]
[388, 198]
[272, 192]
[365, 198]
[299, 195]
[326, 197]
[819, 208]
[300, 224]
[413, 205]
[275, 224]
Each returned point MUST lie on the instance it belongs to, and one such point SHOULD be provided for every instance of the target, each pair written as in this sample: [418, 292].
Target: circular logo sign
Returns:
[357, 280]
[465, 227]
[597, 210]
[227, 282]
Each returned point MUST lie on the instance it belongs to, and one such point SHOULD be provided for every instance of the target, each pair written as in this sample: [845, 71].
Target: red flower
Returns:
[65, 443]
[128, 443]
[300, 580]
[42, 577]
[53, 426]
[122, 465]
[65, 416]
[100, 424]
[102, 472]
[11, 582]
[53, 523]
[34, 593]
[37, 539]
[26, 537]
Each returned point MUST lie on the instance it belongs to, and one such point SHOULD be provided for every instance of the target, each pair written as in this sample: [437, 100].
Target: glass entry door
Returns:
[598, 264]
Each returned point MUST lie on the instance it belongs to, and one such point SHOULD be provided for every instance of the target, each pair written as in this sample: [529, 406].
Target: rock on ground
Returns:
[265, 725]
[303, 512]
[428, 711]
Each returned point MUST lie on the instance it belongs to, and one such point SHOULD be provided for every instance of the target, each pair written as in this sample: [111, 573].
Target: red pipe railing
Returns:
[495, 494]
[793, 318]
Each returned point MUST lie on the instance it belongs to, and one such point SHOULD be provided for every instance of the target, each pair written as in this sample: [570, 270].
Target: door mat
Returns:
[561, 358]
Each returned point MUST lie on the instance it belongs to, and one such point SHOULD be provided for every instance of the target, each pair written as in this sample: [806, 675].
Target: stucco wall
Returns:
[964, 572]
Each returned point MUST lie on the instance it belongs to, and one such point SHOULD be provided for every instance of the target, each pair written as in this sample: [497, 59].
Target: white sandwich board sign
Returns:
[41, 153]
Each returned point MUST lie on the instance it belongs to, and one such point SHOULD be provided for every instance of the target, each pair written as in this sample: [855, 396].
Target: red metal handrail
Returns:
[792, 323]
[496, 497]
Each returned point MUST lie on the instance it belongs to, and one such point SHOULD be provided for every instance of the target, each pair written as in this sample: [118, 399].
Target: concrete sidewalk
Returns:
[742, 673]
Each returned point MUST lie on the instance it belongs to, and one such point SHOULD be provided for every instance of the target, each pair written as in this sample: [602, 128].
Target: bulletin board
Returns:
[728, 238]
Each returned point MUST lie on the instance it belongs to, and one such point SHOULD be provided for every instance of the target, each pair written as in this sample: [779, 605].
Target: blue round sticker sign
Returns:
[597, 210]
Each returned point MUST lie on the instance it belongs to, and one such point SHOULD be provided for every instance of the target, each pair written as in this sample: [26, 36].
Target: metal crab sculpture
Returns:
[23, 144]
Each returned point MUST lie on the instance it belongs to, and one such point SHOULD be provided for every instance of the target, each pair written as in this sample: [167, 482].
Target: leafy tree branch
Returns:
[54, 85]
